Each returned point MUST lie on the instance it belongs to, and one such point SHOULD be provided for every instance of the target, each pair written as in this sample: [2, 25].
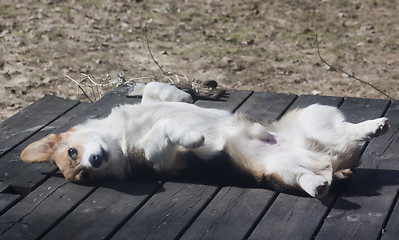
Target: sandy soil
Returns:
[258, 45]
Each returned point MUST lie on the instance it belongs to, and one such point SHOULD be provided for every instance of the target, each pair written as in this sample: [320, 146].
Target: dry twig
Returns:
[79, 86]
[152, 56]
[348, 74]
[88, 81]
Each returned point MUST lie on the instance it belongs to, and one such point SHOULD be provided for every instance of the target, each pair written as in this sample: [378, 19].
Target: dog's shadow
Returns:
[365, 183]
[221, 172]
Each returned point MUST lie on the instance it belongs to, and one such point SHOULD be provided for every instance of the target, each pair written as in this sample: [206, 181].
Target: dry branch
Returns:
[348, 74]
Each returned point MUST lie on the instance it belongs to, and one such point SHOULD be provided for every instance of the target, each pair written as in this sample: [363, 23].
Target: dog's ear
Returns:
[41, 151]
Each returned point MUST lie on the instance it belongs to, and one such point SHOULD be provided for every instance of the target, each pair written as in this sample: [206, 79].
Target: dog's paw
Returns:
[381, 127]
[371, 128]
[375, 128]
[343, 174]
[321, 190]
[315, 185]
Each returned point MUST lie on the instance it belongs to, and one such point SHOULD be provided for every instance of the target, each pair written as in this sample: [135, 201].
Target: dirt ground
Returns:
[253, 44]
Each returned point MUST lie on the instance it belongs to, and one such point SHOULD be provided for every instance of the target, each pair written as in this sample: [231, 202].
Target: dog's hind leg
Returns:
[366, 130]
[349, 136]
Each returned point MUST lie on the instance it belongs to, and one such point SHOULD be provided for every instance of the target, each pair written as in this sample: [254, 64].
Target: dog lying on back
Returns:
[305, 149]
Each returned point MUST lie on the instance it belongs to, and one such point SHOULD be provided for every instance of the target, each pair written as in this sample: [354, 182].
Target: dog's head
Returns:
[81, 155]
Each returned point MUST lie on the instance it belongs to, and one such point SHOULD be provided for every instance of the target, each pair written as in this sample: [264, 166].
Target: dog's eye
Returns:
[73, 153]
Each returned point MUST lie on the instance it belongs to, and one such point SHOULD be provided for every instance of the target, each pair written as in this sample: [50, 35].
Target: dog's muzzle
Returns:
[78, 174]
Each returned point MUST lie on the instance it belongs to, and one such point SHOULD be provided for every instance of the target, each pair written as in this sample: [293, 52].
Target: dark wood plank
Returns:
[38, 211]
[104, 210]
[167, 212]
[249, 204]
[301, 215]
[267, 106]
[360, 212]
[30, 120]
[230, 102]
[297, 221]
[7, 200]
[306, 100]
[3, 187]
[234, 97]
[362, 109]
[230, 214]
[391, 230]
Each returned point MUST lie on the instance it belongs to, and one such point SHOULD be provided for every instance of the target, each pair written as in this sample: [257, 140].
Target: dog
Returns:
[306, 149]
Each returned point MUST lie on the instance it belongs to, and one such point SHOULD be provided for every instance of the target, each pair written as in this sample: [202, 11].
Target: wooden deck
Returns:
[37, 202]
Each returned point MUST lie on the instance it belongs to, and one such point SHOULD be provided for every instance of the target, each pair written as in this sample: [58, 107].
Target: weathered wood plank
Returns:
[3, 187]
[362, 109]
[297, 221]
[267, 106]
[301, 215]
[104, 210]
[306, 100]
[219, 218]
[234, 97]
[167, 212]
[360, 212]
[38, 211]
[391, 231]
[27, 122]
[7, 200]
[230, 214]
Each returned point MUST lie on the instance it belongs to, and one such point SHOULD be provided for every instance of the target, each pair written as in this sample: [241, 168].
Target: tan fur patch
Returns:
[140, 166]
[69, 167]
[245, 162]
[276, 179]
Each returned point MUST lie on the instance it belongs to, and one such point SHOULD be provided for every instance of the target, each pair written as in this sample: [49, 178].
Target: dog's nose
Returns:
[95, 160]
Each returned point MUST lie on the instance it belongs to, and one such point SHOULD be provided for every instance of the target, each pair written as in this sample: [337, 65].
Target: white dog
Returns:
[306, 149]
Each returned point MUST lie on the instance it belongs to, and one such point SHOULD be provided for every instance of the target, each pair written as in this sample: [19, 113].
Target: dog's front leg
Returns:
[162, 92]
[159, 144]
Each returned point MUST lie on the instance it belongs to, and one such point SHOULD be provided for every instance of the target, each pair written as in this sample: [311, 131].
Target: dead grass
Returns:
[258, 45]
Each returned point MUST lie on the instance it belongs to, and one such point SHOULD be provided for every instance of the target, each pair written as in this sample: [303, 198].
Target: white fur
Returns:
[304, 149]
